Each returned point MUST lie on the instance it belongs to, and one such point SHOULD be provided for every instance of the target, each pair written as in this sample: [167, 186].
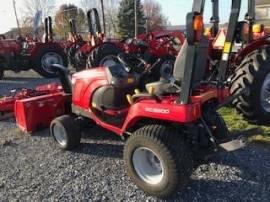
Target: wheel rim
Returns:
[148, 165]
[60, 134]
[166, 69]
[50, 58]
[109, 61]
[265, 94]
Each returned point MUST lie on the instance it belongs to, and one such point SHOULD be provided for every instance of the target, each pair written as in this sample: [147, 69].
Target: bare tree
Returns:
[31, 7]
[153, 12]
[64, 14]
[110, 10]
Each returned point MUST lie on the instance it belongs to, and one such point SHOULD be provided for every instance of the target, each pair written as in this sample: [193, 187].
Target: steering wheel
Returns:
[132, 62]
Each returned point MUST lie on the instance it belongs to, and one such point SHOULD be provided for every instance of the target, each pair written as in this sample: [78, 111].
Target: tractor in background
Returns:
[162, 46]
[101, 51]
[249, 64]
[24, 54]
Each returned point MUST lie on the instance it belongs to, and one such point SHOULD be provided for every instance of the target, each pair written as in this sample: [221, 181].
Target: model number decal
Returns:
[158, 111]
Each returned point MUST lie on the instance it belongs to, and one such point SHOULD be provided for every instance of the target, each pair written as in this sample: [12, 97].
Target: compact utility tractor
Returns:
[20, 54]
[166, 127]
[249, 64]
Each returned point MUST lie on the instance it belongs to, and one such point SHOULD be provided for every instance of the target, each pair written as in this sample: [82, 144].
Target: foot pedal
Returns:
[239, 140]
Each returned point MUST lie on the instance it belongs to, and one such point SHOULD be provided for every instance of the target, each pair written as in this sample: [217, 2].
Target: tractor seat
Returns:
[161, 87]
[165, 86]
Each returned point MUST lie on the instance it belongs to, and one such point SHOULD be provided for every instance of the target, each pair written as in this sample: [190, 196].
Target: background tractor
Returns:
[249, 64]
[24, 54]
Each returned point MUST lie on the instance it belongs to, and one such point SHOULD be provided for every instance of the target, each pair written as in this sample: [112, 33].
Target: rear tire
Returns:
[158, 160]
[104, 55]
[166, 67]
[66, 132]
[47, 57]
[253, 74]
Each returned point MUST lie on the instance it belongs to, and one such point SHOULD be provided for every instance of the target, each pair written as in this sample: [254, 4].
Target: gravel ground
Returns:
[32, 168]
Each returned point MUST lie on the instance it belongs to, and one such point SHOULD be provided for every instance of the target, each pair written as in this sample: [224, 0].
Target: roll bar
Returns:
[72, 26]
[192, 51]
[215, 18]
[93, 19]
[230, 38]
[48, 29]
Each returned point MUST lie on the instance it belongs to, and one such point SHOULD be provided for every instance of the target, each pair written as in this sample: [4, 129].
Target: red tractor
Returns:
[249, 64]
[159, 45]
[163, 45]
[23, 54]
[166, 127]
[78, 50]
[252, 72]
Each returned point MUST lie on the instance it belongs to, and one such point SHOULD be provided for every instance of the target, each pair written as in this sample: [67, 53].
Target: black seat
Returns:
[113, 95]
[166, 87]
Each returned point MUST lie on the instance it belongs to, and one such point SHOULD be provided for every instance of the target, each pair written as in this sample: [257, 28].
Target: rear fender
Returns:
[38, 47]
[150, 109]
[252, 47]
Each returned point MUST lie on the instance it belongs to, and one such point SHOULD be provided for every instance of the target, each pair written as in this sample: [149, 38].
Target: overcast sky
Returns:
[175, 10]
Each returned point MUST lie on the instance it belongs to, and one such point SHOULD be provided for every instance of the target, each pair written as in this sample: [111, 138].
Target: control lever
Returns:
[148, 70]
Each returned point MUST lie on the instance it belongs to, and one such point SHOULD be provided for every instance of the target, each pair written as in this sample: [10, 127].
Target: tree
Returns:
[64, 14]
[126, 18]
[153, 12]
[110, 10]
[31, 7]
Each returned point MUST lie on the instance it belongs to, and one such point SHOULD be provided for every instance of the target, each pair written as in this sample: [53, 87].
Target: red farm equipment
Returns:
[79, 49]
[249, 64]
[21, 54]
[99, 51]
[168, 125]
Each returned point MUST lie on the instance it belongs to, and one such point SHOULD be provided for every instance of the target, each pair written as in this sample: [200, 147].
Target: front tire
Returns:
[66, 132]
[104, 55]
[253, 74]
[46, 58]
[158, 160]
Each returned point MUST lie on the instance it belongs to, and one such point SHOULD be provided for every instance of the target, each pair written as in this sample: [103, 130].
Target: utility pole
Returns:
[103, 16]
[136, 18]
[15, 12]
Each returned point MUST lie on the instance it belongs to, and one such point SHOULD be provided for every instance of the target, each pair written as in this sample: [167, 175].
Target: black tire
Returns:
[252, 74]
[1, 74]
[105, 50]
[47, 72]
[165, 70]
[71, 134]
[172, 151]
[80, 61]
[216, 124]
[73, 56]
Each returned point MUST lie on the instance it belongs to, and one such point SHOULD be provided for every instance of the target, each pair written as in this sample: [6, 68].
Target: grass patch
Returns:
[236, 123]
